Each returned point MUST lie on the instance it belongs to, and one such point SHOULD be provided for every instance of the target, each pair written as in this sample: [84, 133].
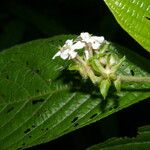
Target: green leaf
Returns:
[40, 100]
[134, 17]
[140, 142]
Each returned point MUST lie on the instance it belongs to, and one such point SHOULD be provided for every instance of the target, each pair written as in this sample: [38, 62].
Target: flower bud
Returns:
[104, 87]
[117, 84]
[112, 60]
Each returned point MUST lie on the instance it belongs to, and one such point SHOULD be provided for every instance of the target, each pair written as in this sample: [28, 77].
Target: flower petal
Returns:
[72, 54]
[57, 54]
[99, 39]
[96, 45]
[65, 54]
[78, 45]
[69, 42]
[85, 36]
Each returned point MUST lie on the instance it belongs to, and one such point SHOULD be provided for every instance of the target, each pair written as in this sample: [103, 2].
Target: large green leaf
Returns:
[40, 100]
[134, 17]
[141, 142]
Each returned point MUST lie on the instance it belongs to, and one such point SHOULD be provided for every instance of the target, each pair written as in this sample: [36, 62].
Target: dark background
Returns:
[26, 20]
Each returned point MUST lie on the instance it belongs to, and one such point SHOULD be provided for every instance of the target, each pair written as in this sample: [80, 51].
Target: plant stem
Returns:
[134, 79]
[88, 70]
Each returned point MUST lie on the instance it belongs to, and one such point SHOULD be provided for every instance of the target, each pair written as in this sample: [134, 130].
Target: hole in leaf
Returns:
[3, 95]
[7, 76]
[76, 124]
[36, 101]
[23, 144]
[10, 109]
[27, 63]
[46, 129]
[37, 91]
[30, 136]
[132, 72]
[148, 18]
[33, 126]
[28, 130]
[93, 116]
[12, 60]
[74, 120]
[37, 70]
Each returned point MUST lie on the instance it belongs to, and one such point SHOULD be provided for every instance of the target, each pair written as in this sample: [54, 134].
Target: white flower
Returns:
[85, 37]
[78, 45]
[68, 43]
[93, 41]
[68, 50]
[65, 54]
[85, 40]
[97, 41]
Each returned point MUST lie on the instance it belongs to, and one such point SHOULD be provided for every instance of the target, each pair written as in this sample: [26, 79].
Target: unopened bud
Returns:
[104, 87]
[117, 84]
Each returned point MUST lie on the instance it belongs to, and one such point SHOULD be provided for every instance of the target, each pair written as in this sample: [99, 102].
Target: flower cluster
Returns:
[95, 62]
[68, 50]
[85, 40]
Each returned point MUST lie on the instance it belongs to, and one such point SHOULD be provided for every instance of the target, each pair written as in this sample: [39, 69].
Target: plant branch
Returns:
[134, 79]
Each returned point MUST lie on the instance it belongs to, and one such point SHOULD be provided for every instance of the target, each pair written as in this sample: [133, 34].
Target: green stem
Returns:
[90, 50]
[104, 47]
[134, 79]
[88, 70]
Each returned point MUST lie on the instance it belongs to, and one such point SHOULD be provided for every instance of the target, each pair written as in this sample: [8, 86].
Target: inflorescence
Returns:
[95, 61]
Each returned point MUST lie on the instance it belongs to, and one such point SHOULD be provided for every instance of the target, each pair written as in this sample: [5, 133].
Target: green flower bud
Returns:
[97, 66]
[117, 66]
[73, 67]
[104, 87]
[103, 61]
[113, 60]
[117, 84]
[79, 68]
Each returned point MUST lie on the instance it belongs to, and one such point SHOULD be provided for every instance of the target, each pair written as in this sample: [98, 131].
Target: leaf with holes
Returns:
[40, 100]
[134, 17]
[141, 141]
